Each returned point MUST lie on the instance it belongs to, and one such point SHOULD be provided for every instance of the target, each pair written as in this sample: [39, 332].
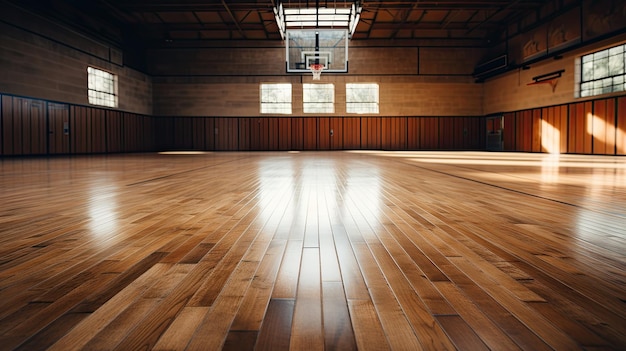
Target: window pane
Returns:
[588, 71]
[616, 64]
[276, 98]
[318, 98]
[362, 98]
[318, 92]
[601, 54]
[318, 107]
[601, 68]
[616, 50]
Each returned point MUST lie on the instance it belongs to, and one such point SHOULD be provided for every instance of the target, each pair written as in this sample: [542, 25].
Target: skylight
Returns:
[346, 17]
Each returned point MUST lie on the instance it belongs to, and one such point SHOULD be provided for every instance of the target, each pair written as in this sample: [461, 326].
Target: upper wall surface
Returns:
[44, 60]
[413, 81]
[511, 92]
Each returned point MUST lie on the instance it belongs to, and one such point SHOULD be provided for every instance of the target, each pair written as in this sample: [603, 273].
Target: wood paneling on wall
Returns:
[590, 127]
[323, 133]
[603, 127]
[88, 130]
[394, 133]
[38, 127]
[24, 130]
[620, 142]
[297, 133]
[227, 133]
[579, 140]
[351, 133]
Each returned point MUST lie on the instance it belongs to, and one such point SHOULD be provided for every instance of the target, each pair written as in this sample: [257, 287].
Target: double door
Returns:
[34, 127]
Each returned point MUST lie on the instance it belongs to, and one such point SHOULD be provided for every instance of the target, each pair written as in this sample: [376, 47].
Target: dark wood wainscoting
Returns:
[322, 133]
[38, 127]
[596, 127]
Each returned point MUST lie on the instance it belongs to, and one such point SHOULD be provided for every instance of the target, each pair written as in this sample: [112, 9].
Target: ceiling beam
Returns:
[406, 17]
[243, 34]
[511, 4]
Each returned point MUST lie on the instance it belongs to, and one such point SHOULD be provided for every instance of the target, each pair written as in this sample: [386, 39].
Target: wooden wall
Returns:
[596, 127]
[320, 133]
[38, 127]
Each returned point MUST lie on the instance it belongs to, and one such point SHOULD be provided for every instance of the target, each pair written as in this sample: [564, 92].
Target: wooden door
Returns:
[58, 128]
[495, 131]
[336, 133]
[323, 133]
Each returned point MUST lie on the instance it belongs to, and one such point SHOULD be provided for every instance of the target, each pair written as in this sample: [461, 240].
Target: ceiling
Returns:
[154, 21]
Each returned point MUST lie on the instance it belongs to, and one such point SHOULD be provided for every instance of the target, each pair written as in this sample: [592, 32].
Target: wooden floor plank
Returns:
[181, 330]
[368, 331]
[287, 279]
[253, 307]
[275, 333]
[103, 316]
[461, 334]
[551, 335]
[400, 333]
[338, 332]
[367, 250]
[486, 330]
[307, 331]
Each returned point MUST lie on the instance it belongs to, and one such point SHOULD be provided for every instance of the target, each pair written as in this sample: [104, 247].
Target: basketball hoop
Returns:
[316, 69]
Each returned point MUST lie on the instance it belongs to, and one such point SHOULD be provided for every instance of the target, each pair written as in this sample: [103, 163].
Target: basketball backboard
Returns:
[328, 47]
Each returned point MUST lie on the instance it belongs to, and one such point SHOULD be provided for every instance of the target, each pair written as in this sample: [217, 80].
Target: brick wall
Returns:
[216, 82]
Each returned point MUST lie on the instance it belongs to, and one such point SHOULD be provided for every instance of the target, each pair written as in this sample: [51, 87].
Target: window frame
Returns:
[309, 106]
[375, 103]
[605, 82]
[98, 96]
[264, 103]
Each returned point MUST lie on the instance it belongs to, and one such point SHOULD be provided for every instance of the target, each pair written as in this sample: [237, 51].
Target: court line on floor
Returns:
[619, 215]
[185, 172]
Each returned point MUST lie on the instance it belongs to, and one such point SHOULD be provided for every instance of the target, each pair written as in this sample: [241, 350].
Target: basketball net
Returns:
[316, 69]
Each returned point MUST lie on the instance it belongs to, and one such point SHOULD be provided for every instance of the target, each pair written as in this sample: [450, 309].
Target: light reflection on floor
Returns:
[594, 185]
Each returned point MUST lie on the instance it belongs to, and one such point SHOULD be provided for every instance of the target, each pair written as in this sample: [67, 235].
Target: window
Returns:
[102, 87]
[362, 97]
[276, 98]
[318, 98]
[603, 72]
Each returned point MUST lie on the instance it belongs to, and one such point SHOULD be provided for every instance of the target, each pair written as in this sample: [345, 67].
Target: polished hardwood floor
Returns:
[312, 251]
